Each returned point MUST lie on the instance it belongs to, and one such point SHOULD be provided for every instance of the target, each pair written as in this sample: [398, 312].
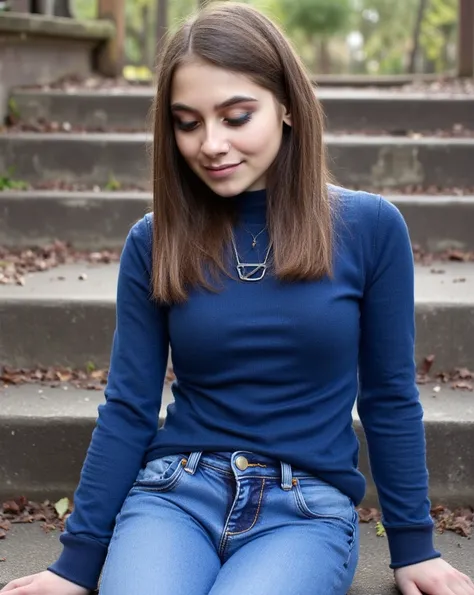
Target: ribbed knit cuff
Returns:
[411, 545]
[81, 561]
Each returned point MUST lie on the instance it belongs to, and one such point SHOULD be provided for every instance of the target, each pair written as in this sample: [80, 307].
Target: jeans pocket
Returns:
[318, 499]
[161, 474]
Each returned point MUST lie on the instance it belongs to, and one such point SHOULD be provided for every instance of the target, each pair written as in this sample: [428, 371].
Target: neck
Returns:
[252, 206]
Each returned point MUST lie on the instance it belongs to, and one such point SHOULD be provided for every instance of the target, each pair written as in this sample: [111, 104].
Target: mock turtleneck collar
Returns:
[252, 206]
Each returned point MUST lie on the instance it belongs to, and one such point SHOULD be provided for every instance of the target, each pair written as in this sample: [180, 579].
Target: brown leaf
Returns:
[464, 373]
[457, 255]
[368, 514]
[463, 385]
[427, 364]
[11, 506]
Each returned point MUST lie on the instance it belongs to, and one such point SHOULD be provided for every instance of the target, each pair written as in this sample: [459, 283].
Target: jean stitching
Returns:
[170, 483]
[224, 538]
[229, 473]
[301, 504]
[257, 513]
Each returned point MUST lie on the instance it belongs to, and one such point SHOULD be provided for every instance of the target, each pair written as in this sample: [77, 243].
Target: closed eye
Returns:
[239, 121]
[191, 125]
[186, 126]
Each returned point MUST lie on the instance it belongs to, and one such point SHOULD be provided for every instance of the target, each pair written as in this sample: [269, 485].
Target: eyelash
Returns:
[233, 122]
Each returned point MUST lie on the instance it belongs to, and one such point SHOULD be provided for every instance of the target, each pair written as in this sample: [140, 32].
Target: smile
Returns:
[223, 170]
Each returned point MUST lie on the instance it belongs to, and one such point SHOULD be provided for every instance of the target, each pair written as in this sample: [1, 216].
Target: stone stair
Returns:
[29, 550]
[65, 316]
[355, 159]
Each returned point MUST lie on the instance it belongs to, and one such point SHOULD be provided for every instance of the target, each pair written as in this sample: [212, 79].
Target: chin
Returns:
[228, 189]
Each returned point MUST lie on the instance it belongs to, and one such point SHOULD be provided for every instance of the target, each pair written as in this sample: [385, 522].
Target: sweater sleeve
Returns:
[388, 402]
[128, 420]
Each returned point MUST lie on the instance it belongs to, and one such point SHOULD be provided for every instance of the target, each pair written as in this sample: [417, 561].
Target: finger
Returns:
[467, 584]
[20, 582]
[409, 589]
[468, 581]
[460, 587]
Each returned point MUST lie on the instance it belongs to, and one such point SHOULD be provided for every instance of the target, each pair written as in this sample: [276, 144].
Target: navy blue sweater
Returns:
[268, 367]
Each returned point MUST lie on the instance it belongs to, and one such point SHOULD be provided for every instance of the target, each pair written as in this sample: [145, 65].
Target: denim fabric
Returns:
[231, 524]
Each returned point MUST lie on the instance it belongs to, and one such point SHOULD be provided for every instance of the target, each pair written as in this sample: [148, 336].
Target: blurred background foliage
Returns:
[332, 36]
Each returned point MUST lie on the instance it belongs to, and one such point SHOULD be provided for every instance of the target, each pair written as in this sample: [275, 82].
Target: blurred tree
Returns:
[438, 33]
[85, 9]
[391, 35]
[385, 27]
[317, 20]
[162, 22]
[416, 35]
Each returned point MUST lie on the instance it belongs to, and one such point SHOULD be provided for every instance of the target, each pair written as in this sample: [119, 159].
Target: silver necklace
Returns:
[257, 269]
[254, 238]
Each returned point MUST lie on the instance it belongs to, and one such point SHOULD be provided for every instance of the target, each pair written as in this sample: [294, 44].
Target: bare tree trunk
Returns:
[324, 57]
[63, 8]
[416, 36]
[161, 22]
[465, 65]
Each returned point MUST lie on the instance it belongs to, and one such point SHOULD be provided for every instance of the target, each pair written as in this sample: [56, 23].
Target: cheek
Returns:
[186, 145]
[263, 140]
[263, 146]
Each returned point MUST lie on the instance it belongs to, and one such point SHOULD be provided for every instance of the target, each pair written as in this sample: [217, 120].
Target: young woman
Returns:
[284, 299]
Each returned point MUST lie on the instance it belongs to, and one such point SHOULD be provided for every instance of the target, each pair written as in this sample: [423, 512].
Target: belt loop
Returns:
[286, 476]
[193, 462]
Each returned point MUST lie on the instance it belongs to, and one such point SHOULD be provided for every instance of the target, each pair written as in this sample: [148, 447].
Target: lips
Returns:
[222, 167]
[222, 172]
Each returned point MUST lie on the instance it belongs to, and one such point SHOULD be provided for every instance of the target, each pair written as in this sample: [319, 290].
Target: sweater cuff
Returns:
[410, 545]
[81, 561]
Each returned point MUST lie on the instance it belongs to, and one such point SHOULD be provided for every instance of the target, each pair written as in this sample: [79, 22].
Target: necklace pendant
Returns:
[254, 243]
[251, 271]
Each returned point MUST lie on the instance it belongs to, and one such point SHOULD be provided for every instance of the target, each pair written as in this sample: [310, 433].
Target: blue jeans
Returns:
[231, 524]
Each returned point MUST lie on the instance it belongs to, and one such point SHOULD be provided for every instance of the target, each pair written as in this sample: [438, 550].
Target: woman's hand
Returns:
[44, 583]
[433, 577]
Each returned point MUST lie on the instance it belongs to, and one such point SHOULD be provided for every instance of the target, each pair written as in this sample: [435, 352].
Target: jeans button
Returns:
[241, 463]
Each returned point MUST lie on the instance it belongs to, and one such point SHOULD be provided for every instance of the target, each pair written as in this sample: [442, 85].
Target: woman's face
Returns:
[227, 128]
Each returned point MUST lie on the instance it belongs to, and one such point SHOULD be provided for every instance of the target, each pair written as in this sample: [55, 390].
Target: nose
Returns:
[214, 144]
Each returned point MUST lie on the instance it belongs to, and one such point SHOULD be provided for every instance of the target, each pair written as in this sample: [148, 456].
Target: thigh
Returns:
[306, 542]
[157, 547]
[300, 561]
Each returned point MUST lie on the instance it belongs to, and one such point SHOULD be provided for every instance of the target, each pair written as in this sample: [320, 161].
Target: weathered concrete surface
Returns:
[45, 432]
[46, 26]
[54, 320]
[36, 49]
[438, 223]
[57, 319]
[99, 220]
[87, 220]
[28, 550]
[355, 160]
[346, 109]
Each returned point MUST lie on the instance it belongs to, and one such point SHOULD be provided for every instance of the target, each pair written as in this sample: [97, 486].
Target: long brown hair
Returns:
[191, 225]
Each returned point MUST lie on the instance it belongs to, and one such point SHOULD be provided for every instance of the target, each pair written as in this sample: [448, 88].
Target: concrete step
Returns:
[58, 319]
[45, 432]
[346, 109]
[355, 160]
[28, 550]
[101, 220]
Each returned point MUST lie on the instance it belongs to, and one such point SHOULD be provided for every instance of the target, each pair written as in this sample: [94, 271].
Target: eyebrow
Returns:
[180, 107]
